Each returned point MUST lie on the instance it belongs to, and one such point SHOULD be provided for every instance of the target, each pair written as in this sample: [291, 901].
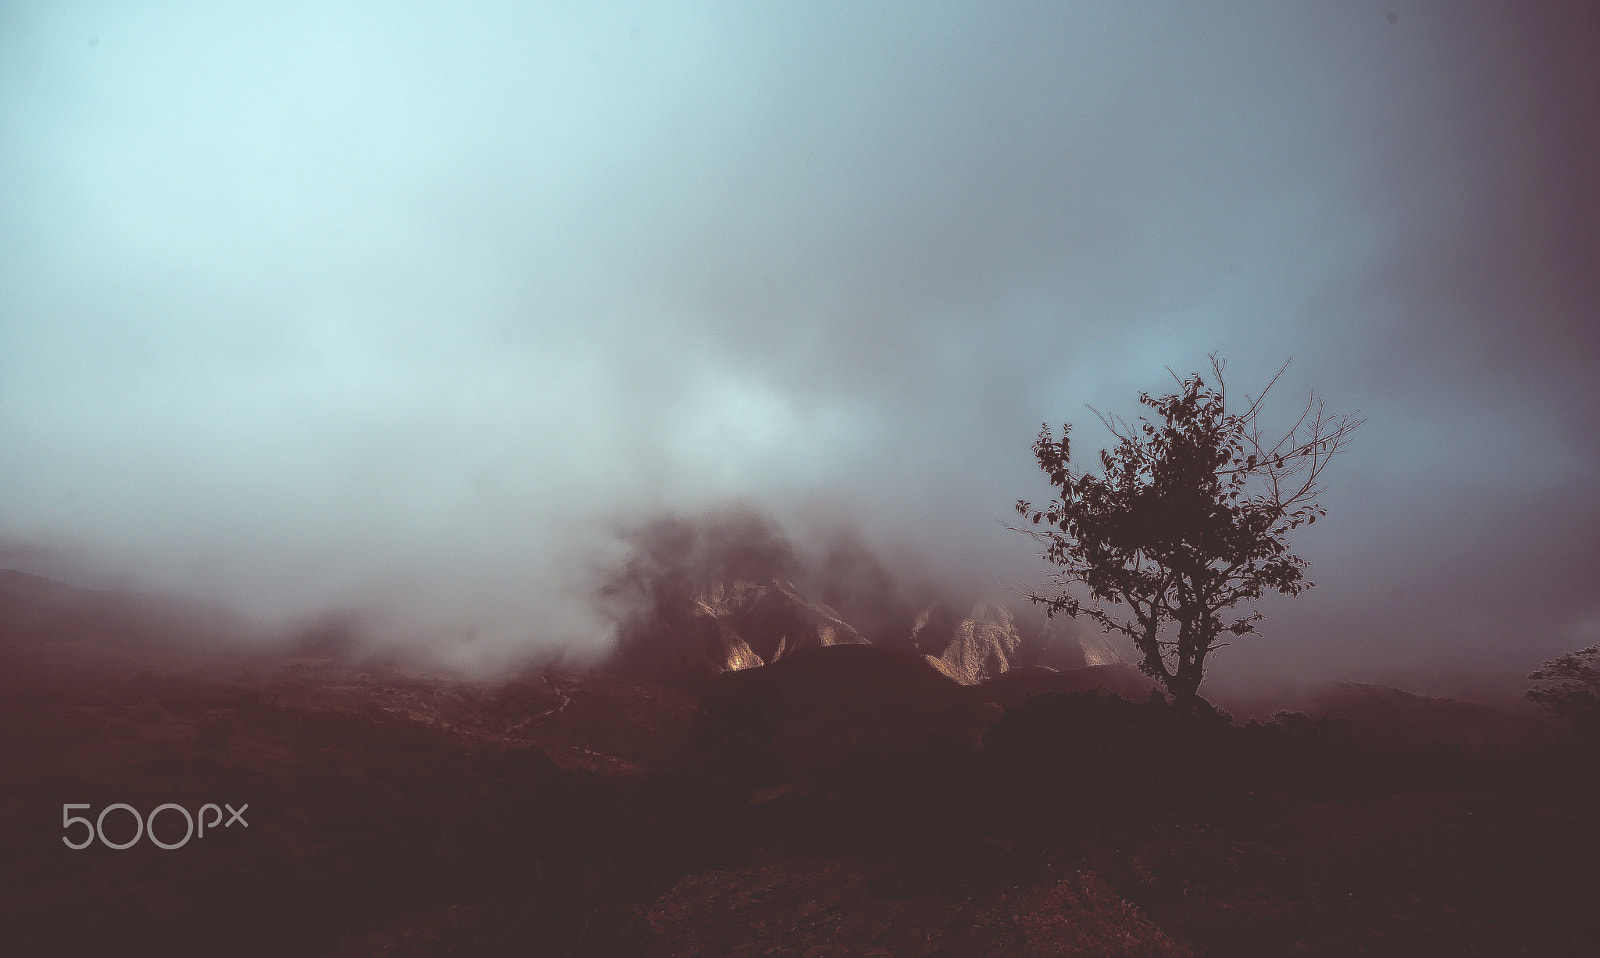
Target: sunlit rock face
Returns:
[990, 641]
[725, 647]
[1098, 650]
[741, 624]
[727, 627]
[683, 649]
[774, 620]
[984, 645]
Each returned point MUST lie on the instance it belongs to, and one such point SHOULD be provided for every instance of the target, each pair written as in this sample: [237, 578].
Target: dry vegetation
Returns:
[845, 801]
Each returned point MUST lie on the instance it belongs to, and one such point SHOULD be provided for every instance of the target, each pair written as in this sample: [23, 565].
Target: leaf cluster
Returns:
[1574, 692]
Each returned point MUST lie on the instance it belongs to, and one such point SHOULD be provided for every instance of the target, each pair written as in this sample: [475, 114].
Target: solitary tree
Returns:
[1188, 517]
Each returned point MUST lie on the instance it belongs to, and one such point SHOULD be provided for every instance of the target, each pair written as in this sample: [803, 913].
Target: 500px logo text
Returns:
[147, 825]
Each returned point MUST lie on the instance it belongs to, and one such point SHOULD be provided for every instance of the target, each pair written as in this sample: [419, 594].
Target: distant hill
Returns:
[1393, 719]
[47, 624]
[1013, 687]
[822, 701]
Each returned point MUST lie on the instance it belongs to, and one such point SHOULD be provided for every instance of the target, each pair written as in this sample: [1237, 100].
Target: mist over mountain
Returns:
[336, 313]
[727, 591]
[840, 795]
[554, 463]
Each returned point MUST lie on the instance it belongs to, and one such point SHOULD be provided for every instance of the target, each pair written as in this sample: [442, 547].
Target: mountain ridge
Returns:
[743, 623]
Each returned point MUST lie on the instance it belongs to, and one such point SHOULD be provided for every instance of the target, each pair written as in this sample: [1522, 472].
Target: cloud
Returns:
[319, 306]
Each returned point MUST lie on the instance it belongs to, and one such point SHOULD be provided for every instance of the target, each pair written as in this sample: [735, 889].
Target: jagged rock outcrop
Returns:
[775, 620]
[741, 624]
[984, 645]
[728, 627]
[945, 668]
[990, 641]
[1097, 649]
[685, 650]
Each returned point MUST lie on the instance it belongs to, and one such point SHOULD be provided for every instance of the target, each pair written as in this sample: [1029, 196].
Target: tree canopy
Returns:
[1572, 690]
[1188, 517]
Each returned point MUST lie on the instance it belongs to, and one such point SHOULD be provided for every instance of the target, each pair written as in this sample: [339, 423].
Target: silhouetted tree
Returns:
[1189, 516]
[1576, 696]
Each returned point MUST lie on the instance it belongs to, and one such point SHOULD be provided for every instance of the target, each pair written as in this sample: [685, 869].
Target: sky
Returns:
[410, 309]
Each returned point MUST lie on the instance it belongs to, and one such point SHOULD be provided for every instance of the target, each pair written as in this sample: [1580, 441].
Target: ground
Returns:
[567, 813]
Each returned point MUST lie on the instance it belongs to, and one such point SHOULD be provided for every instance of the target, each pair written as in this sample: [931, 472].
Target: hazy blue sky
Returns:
[322, 305]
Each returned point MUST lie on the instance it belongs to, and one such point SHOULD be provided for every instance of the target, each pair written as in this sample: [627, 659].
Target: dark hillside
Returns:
[1013, 687]
[822, 702]
[845, 799]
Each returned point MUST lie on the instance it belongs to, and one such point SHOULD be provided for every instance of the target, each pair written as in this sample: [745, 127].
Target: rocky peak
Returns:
[743, 623]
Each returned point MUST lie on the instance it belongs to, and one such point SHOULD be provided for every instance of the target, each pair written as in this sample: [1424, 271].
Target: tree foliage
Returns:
[1188, 517]
[1574, 690]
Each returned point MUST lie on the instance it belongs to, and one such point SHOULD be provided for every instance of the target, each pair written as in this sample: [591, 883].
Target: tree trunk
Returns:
[1185, 690]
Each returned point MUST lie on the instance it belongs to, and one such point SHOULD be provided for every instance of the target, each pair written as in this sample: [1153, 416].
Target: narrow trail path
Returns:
[566, 700]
